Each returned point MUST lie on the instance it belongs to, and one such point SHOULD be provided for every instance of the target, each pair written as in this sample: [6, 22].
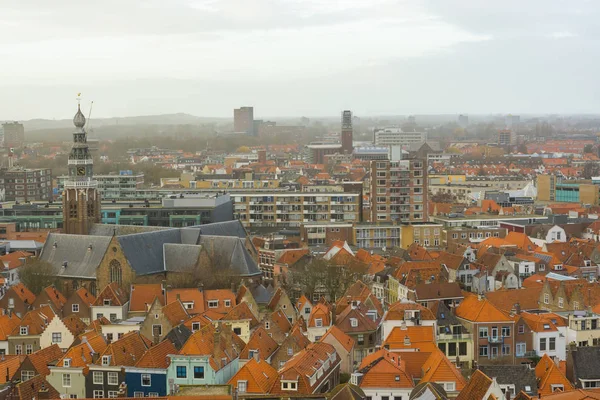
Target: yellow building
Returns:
[446, 179]
[427, 235]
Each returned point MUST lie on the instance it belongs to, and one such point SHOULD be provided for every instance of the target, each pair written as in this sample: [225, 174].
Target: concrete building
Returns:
[122, 186]
[21, 184]
[506, 137]
[394, 136]
[243, 120]
[291, 209]
[551, 188]
[399, 191]
[14, 134]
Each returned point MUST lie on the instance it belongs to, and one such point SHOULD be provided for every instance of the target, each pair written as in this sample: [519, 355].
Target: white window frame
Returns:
[213, 304]
[23, 330]
[96, 381]
[59, 337]
[64, 378]
[242, 386]
[98, 394]
[112, 375]
[149, 376]
[319, 322]
[75, 307]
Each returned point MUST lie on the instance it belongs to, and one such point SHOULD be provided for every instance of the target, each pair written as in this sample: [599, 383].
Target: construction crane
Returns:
[89, 120]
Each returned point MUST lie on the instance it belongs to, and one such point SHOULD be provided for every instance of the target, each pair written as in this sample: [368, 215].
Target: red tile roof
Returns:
[260, 377]
[143, 295]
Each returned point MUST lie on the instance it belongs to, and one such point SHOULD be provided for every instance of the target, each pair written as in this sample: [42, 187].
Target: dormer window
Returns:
[195, 326]
[24, 330]
[558, 267]
[67, 362]
[319, 322]
[107, 302]
[267, 325]
[546, 326]
[213, 303]
[289, 385]
[353, 322]
[105, 360]
[227, 303]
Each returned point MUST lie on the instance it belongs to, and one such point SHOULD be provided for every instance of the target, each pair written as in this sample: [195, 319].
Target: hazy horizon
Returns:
[299, 57]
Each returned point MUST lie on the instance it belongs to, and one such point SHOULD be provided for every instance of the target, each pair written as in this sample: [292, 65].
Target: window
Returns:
[113, 378]
[483, 351]
[97, 378]
[75, 308]
[156, 330]
[98, 394]
[561, 302]
[575, 305]
[153, 394]
[116, 272]
[237, 331]
[213, 303]
[505, 350]
[546, 298]
[483, 332]
[138, 394]
[198, 372]
[66, 380]
[241, 386]
[113, 394]
[452, 349]
[542, 344]
[146, 380]
[462, 348]
[181, 371]
[353, 322]
[105, 360]
[227, 303]
[290, 351]
[267, 325]
[195, 326]
[56, 337]
[557, 388]
[23, 330]
[26, 375]
[521, 349]
[521, 328]
[450, 386]
[18, 349]
[552, 344]
[28, 349]
[361, 339]
[67, 362]
[319, 322]
[506, 331]
[306, 310]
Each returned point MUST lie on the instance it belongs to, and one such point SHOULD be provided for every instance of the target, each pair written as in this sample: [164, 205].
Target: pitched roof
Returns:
[74, 324]
[438, 291]
[82, 354]
[358, 316]
[7, 324]
[383, 369]
[82, 254]
[411, 337]
[143, 295]
[292, 256]
[113, 292]
[35, 388]
[260, 376]
[438, 368]
[175, 312]
[127, 350]
[12, 260]
[222, 351]
[240, 312]
[9, 364]
[85, 296]
[319, 311]
[397, 311]
[505, 299]
[188, 295]
[260, 341]
[36, 321]
[156, 356]
[549, 374]
[474, 309]
[44, 357]
[21, 291]
[346, 341]
[522, 376]
[57, 299]
[476, 388]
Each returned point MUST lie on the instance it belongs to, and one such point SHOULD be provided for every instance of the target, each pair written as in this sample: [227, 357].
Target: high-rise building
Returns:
[463, 120]
[506, 137]
[14, 134]
[243, 120]
[347, 132]
[399, 191]
[81, 198]
[21, 184]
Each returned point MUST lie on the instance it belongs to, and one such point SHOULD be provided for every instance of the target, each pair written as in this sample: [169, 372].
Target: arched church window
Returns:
[116, 272]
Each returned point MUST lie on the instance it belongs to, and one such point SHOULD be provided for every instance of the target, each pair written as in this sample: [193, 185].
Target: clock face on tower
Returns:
[80, 171]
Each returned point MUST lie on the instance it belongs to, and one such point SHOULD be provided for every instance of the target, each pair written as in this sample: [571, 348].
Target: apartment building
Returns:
[291, 209]
[396, 136]
[23, 184]
[121, 186]
[399, 191]
[384, 235]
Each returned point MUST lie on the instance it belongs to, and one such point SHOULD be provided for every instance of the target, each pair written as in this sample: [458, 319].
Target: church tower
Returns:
[81, 199]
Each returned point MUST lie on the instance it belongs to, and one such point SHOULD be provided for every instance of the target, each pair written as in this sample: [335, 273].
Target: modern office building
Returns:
[119, 187]
[291, 209]
[14, 134]
[394, 136]
[399, 191]
[21, 184]
[551, 188]
[243, 120]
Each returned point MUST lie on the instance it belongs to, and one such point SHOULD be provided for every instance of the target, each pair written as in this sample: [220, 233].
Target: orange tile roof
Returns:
[505, 299]
[143, 295]
[260, 377]
[439, 369]
[240, 312]
[175, 313]
[9, 364]
[44, 357]
[476, 388]
[346, 341]
[35, 320]
[114, 293]
[260, 341]
[473, 309]
[31, 388]
[74, 324]
[127, 350]
[411, 337]
[202, 342]
[319, 311]
[549, 374]
[22, 292]
[156, 356]
[188, 295]
[398, 309]
[291, 256]
[82, 354]
[85, 296]
[546, 322]
[57, 298]
[7, 324]
[384, 370]
[13, 260]
[221, 295]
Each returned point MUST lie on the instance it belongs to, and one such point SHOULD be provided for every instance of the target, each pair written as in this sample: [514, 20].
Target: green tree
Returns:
[588, 148]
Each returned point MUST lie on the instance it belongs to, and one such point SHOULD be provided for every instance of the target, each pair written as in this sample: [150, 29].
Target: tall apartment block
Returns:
[291, 209]
[243, 120]
[399, 191]
[14, 134]
[22, 184]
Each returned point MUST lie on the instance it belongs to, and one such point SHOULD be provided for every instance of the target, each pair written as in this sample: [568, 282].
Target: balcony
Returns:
[82, 184]
[495, 339]
[452, 337]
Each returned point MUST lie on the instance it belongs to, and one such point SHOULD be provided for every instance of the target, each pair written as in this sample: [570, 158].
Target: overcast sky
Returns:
[298, 57]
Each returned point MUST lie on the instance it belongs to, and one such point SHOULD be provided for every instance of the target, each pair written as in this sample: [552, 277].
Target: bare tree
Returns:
[37, 275]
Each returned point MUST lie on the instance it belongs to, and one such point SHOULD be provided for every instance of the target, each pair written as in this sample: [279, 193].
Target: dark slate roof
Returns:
[178, 336]
[586, 362]
[227, 228]
[145, 251]
[120, 230]
[180, 257]
[261, 294]
[234, 251]
[519, 375]
[433, 391]
[82, 260]
[444, 316]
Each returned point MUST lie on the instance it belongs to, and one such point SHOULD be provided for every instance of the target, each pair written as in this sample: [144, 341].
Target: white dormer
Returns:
[105, 360]
[24, 330]
[353, 322]
[67, 362]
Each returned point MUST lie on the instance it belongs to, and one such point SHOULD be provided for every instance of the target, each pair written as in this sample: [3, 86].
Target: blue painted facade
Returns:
[146, 381]
[197, 370]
